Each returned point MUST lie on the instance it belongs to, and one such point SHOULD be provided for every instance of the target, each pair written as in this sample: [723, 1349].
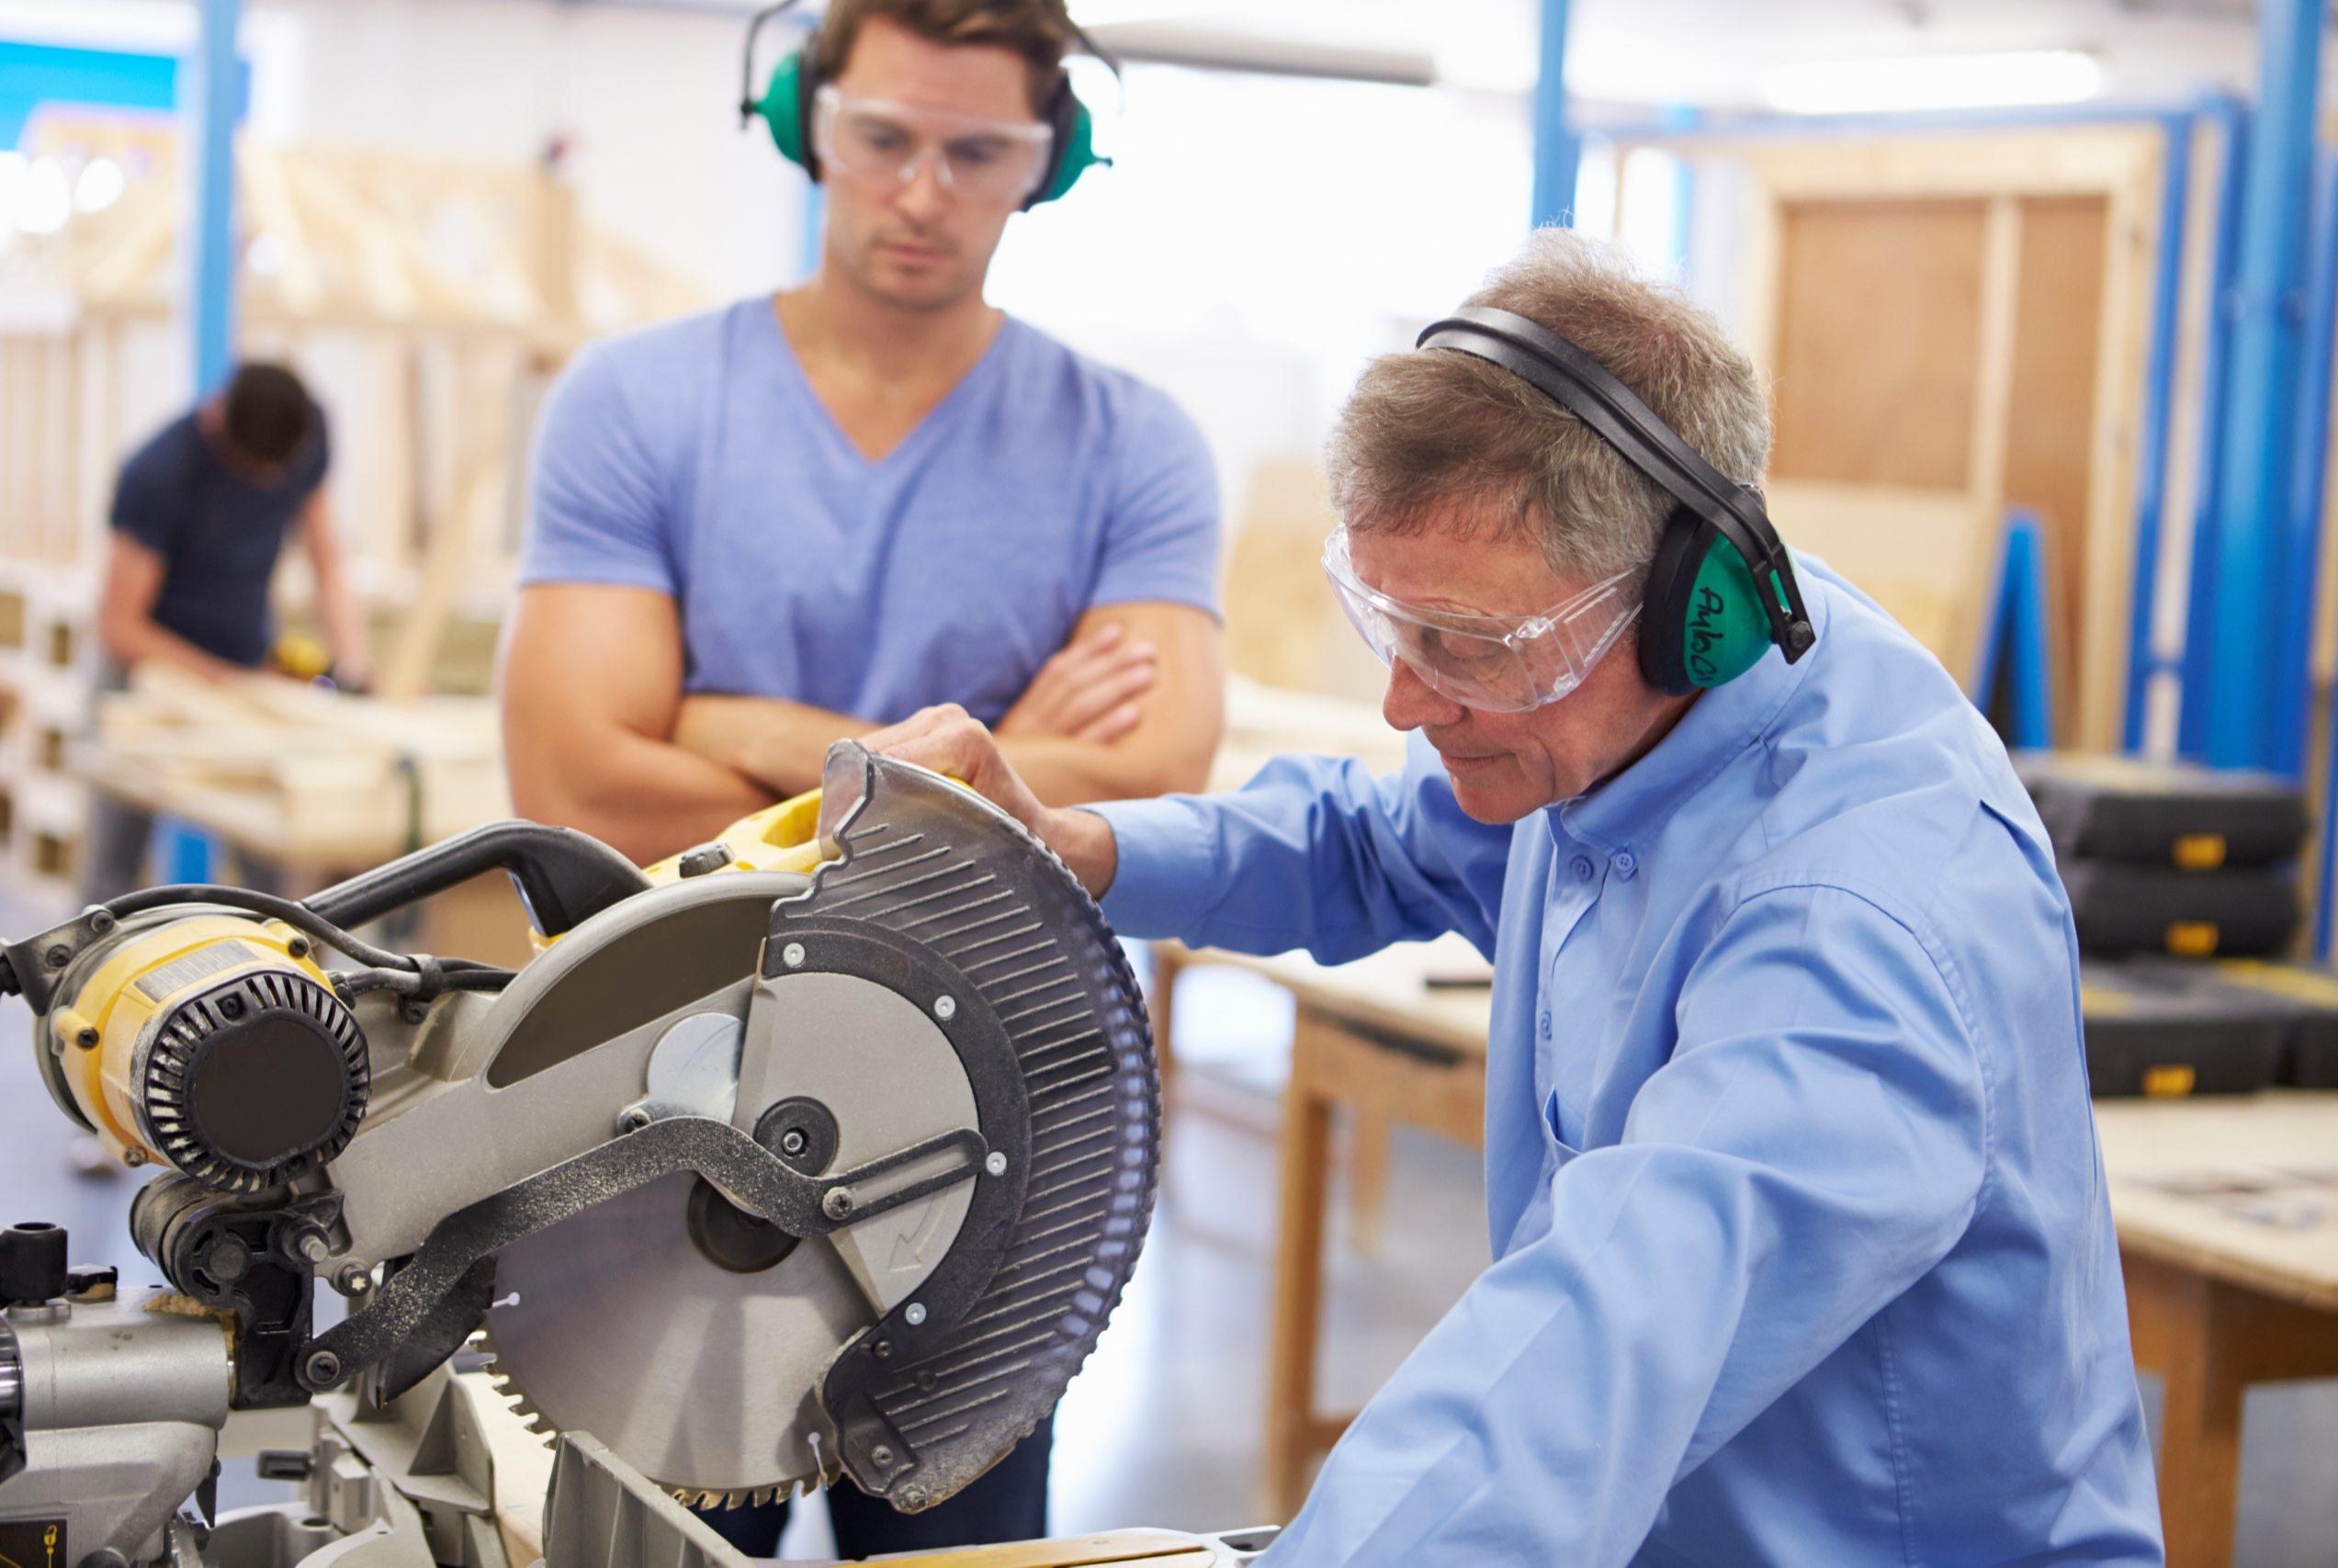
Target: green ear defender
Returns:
[785, 107]
[1701, 622]
[1721, 588]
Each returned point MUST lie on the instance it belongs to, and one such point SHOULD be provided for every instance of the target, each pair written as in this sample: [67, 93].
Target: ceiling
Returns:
[1631, 52]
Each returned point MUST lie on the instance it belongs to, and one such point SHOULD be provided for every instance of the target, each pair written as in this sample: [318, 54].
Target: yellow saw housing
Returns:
[175, 1019]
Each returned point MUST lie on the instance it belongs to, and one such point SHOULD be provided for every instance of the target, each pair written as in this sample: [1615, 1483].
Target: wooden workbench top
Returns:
[2242, 1189]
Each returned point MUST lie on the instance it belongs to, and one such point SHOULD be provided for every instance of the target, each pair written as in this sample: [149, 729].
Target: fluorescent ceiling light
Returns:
[1933, 82]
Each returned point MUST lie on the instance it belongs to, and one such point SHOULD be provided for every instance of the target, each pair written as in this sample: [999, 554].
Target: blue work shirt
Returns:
[695, 459]
[1801, 1251]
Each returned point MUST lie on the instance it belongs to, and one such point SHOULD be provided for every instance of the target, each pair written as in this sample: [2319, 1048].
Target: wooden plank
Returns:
[2016, 162]
[2172, 1321]
[1305, 1157]
[2106, 610]
[1918, 553]
[2050, 415]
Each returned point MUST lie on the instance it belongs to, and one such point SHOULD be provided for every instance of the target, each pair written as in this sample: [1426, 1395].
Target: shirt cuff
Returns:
[1162, 883]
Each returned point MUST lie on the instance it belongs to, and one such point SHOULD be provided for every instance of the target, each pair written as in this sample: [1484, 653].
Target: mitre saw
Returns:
[822, 1150]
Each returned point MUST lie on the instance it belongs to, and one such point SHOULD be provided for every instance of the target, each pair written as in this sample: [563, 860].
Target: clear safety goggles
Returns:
[884, 144]
[1492, 663]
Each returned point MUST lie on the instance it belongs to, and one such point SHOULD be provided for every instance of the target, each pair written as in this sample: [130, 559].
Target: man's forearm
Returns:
[131, 644]
[643, 797]
[778, 744]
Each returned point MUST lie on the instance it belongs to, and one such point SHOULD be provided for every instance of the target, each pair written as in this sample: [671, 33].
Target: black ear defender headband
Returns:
[1721, 588]
[785, 106]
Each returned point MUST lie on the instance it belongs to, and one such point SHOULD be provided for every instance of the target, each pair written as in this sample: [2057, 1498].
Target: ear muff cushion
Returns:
[1702, 623]
[785, 110]
[1075, 152]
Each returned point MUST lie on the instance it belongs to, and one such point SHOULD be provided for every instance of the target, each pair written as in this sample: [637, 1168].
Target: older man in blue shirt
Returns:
[1802, 1253]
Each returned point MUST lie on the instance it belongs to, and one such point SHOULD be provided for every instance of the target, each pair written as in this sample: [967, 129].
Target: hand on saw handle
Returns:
[950, 742]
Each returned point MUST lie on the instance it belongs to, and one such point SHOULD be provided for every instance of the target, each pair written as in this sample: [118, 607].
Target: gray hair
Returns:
[1428, 432]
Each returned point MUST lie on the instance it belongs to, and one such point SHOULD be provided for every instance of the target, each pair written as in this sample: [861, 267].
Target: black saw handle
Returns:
[563, 876]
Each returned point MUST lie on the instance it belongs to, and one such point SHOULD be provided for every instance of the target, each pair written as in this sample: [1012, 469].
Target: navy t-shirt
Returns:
[218, 535]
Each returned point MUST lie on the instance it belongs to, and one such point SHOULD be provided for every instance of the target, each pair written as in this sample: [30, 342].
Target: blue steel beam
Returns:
[2308, 476]
[211, 104]
[2150, 487]
[1557, 149]
[2259, 438]
[2192, 726]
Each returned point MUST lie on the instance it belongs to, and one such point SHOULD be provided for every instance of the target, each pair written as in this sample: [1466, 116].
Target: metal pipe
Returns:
[2151, 485]
[1557, 149]
[2242, 707]
[2232, 122]
[214, 100]
[2308, 472]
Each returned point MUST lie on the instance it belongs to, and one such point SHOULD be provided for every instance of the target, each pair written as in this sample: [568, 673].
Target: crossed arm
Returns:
[598, 735]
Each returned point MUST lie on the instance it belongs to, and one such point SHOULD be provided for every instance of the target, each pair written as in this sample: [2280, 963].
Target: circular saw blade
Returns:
[703, 1380]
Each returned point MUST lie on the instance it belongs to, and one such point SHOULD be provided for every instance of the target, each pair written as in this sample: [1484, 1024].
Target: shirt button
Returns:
[1626, 864]
[1583, 868]
[1543, 1022]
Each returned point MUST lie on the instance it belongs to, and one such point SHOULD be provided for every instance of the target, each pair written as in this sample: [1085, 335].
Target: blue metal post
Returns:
[2014, 646]
[2215, 365]
[211, 103]
[2151, 487]
[2309, 473]
[1557, 149]
[1683, 117]
[2252, 491]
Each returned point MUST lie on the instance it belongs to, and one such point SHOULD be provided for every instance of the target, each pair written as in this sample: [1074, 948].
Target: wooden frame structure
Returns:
[428, 301]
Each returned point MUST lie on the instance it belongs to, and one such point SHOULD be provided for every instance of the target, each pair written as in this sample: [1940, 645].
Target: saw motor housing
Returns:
[211, 1043]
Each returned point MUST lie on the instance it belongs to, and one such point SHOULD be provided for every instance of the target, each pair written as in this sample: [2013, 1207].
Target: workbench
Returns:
[2227, 1213]
[317, 786]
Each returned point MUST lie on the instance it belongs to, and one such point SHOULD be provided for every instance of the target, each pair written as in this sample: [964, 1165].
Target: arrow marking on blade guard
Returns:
[909, 1251]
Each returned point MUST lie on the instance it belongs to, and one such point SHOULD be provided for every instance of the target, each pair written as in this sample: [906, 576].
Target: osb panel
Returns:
[1879, 309]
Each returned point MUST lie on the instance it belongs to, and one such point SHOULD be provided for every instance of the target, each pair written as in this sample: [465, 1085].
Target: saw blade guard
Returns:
[942, 979]
[1044, 1011]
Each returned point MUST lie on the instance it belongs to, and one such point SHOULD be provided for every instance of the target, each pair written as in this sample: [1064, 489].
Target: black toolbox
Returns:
[2128, 910]
[2309, 992]
[2165, 1030]
[2175, 815]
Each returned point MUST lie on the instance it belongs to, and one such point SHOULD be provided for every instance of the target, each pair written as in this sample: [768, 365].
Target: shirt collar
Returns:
[1719, 725]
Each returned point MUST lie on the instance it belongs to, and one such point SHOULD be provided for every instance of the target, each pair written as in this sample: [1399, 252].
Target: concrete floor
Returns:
[1162, 1427]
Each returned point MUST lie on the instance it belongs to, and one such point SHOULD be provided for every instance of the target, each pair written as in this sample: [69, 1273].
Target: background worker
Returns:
[200, 516]
[756, 530]
[759, 530]
[1801, 1251]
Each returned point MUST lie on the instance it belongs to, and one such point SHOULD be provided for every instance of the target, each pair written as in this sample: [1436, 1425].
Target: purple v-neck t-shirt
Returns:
[694, 458]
